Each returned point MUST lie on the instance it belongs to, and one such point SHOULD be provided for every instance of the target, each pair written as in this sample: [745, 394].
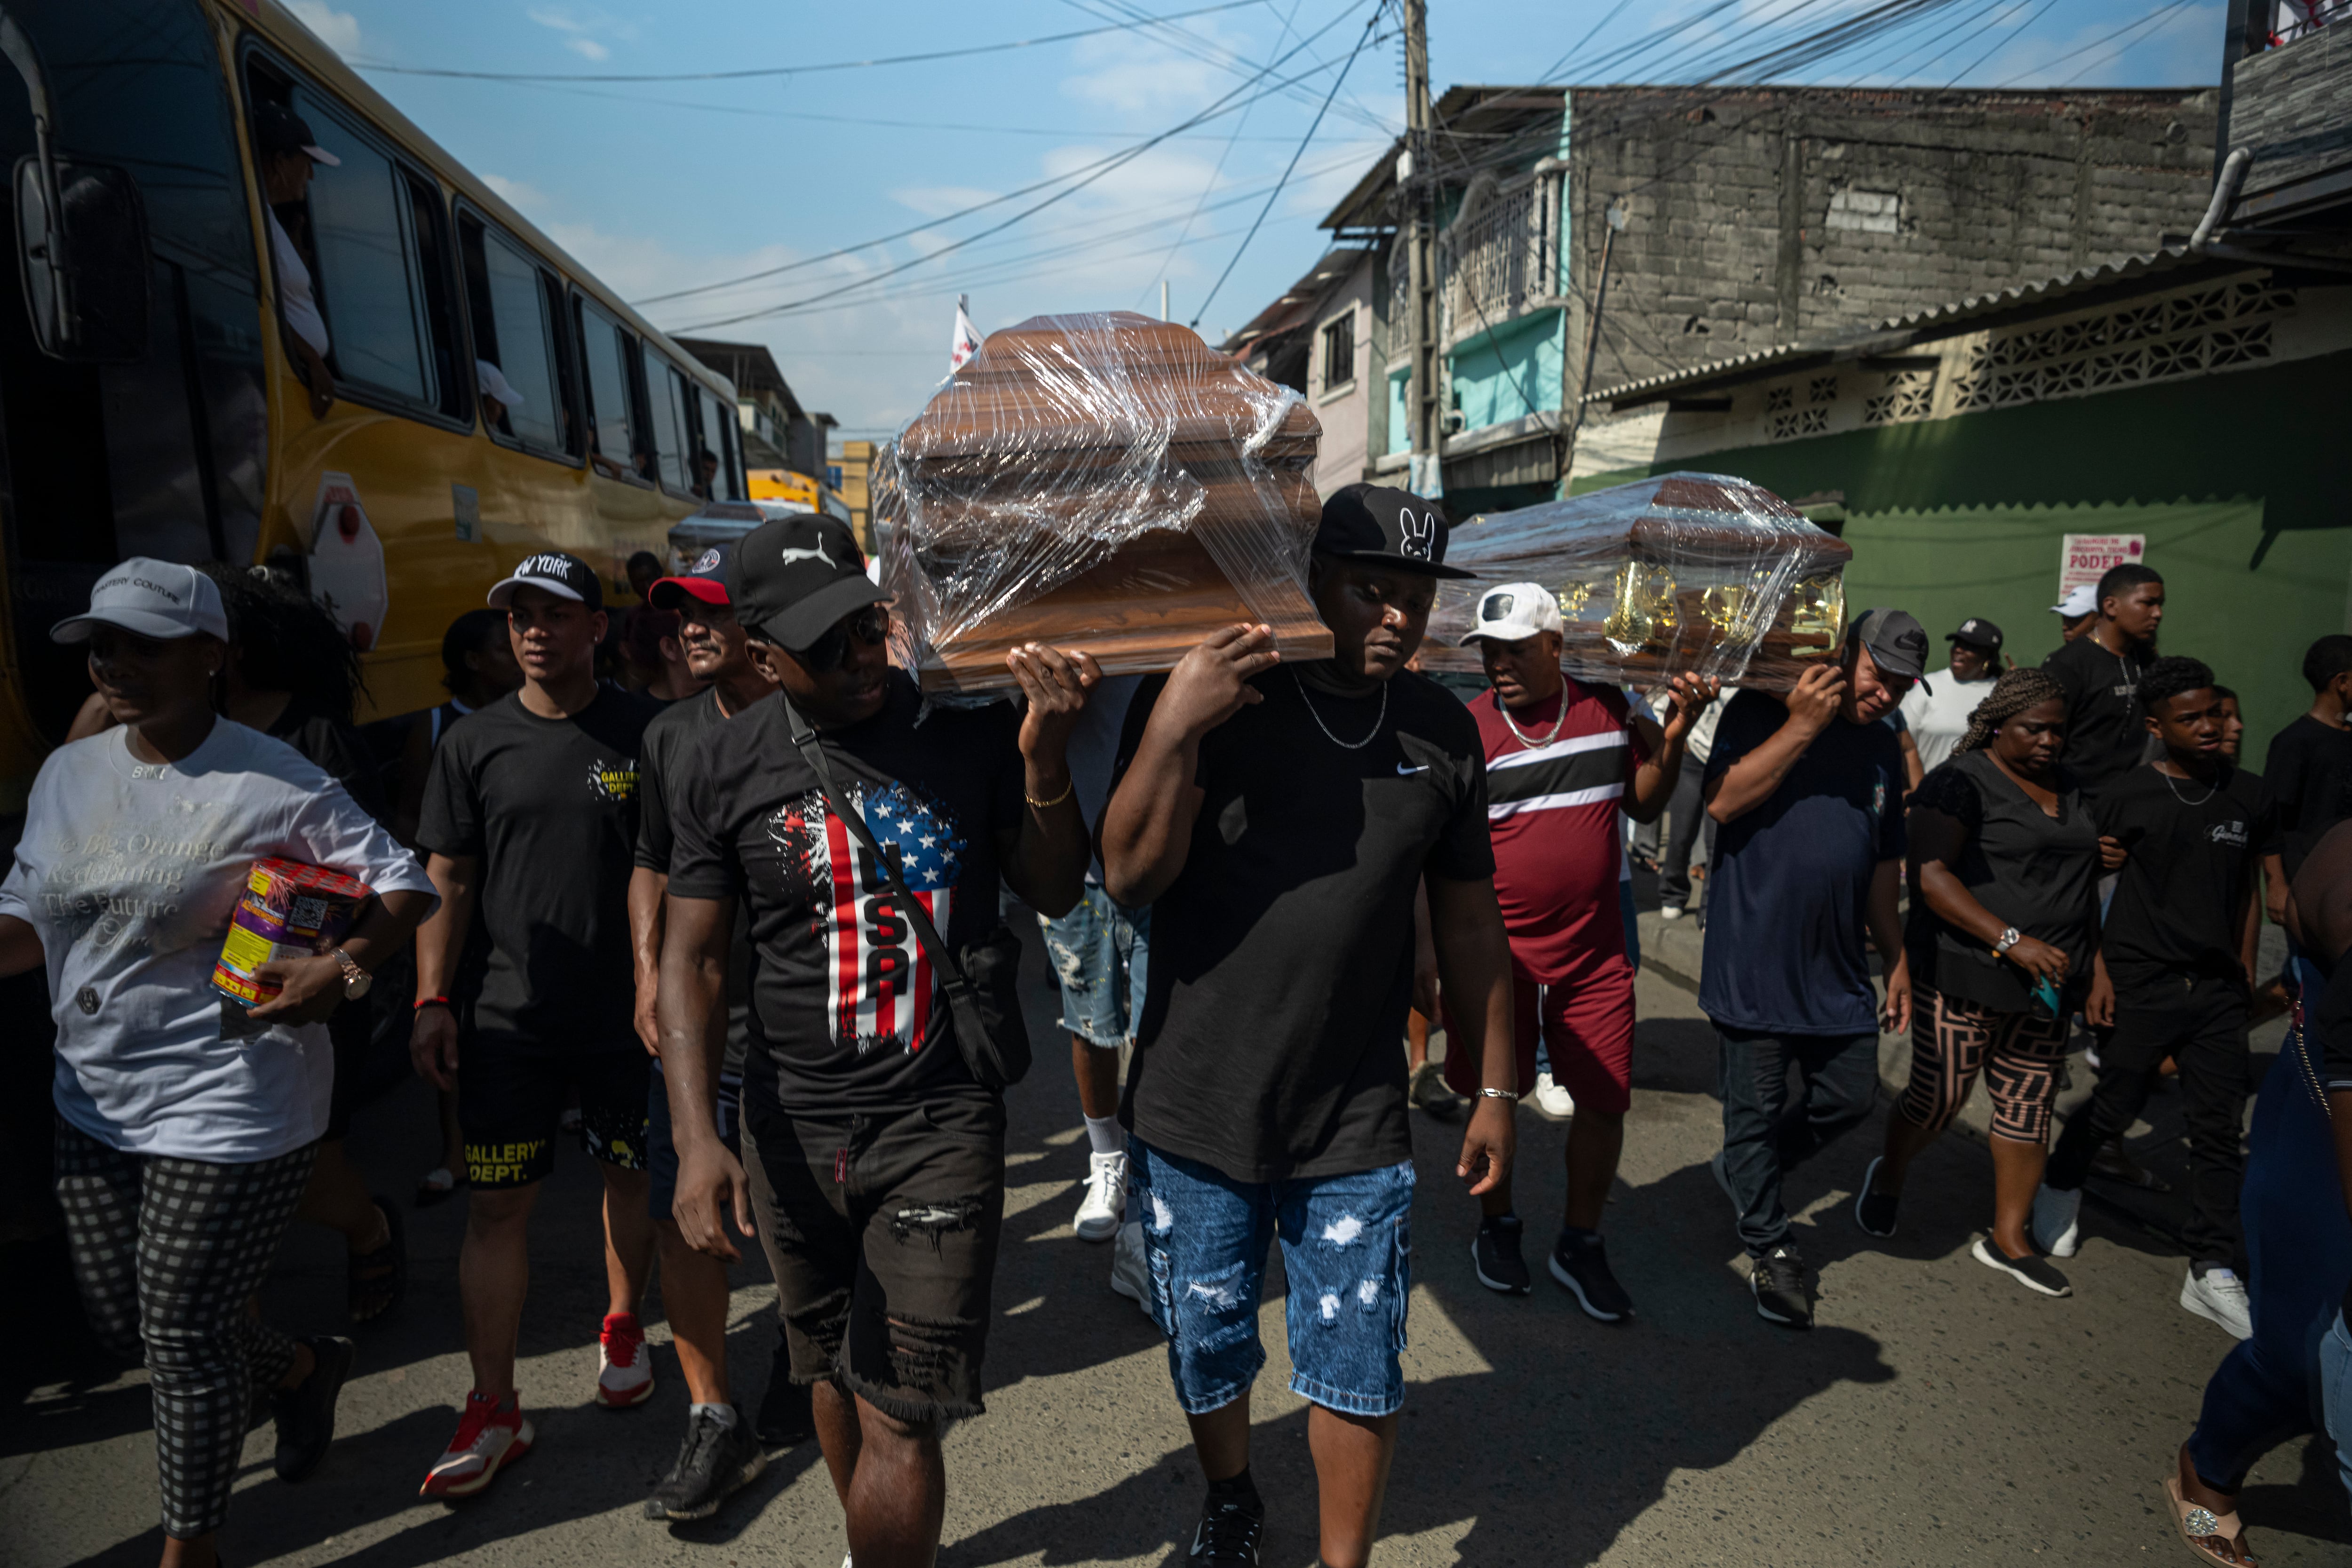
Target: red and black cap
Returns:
[1381, 526]
[796, 576]
[706, 580]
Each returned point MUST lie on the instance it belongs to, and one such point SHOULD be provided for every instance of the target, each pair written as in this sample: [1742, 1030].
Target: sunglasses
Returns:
[870, 625]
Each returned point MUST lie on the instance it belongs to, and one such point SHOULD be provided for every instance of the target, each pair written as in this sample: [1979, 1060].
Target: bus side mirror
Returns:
[81, 248]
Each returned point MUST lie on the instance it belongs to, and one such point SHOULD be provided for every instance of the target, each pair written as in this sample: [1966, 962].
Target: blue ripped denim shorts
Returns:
[1100, 952]
[1347, 1250]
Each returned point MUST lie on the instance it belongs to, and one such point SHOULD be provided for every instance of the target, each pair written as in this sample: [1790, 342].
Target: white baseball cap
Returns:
[493, 382]
[2082, 599]
[150, 598]
[1514, 612]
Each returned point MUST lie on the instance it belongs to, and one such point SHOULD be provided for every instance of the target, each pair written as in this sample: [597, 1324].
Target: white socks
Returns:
[722, 1414]
[1105, 1135]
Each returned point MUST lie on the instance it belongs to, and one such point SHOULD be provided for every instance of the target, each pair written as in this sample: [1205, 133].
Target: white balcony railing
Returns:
[1501, 257]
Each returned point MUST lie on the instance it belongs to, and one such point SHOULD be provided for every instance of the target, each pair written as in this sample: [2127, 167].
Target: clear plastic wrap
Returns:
[1702, 573]
[1106, 482]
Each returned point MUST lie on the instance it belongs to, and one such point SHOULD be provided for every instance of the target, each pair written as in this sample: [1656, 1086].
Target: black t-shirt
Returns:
[1788, 893]
[338, 749]
[2106, 733]
[2309, 770]
[1282, 956]
[2027, 868]
[661, 767]
[550, 807]
[846, 1001]
[2193, 847]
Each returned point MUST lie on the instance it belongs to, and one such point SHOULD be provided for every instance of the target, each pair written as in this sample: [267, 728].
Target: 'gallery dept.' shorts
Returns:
[510, 1094]
[1346, 1251]
[1100, 952]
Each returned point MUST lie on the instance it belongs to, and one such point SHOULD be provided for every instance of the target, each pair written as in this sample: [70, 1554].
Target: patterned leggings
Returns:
[166, 1252]
[2019, 1052]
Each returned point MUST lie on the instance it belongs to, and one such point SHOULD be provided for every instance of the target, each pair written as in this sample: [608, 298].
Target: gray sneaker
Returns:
[714, 1461]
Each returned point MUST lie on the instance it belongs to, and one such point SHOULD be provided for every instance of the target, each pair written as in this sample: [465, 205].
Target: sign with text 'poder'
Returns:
[2087, 557]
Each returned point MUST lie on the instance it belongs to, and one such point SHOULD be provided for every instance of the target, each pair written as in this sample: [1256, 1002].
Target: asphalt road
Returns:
[1937, 1414]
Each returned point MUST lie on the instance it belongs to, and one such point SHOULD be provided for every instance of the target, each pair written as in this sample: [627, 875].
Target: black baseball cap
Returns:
[705, 580]
[796, 576]
[565, 576]
[1382, 526]
[1977, 632]
[1896, 641]
[277, 129]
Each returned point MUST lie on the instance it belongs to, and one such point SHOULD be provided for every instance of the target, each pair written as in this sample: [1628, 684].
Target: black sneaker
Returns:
[1873, 1211]
[305, 1413]
[1227, 1532]
[1580, 1263]
[2032, 1271]
[713, 1461]
[1777, 1280]
[784, 1418]
[1494, 1253]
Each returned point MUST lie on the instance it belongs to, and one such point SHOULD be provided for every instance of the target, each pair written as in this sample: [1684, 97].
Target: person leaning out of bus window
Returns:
[706, 471]
[285, 151]
[499, 397]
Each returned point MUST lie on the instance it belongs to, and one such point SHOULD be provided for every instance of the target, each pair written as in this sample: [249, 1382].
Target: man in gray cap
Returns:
[1808, 789]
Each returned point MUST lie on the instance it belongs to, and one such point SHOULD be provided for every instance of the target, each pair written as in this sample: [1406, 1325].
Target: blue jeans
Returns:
[2335, 1394]
[2298, 1240]
[1766, 1134]
[1347, 1250]
[1099, 952]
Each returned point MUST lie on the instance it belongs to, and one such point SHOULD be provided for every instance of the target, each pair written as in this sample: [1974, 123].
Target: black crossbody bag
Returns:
[981, 983]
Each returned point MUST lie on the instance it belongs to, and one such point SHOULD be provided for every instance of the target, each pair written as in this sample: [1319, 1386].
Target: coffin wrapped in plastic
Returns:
[1105, 482]
[1701, 573]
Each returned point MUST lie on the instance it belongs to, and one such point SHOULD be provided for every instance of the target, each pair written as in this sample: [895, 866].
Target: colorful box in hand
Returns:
[288, 910]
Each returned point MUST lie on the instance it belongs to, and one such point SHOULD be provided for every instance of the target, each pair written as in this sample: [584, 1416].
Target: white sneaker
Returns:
[1105, 1204]
[1551, 1099]
[1670, 911]
[2054, 1227]
[1130, 1270]
[2219, 1296]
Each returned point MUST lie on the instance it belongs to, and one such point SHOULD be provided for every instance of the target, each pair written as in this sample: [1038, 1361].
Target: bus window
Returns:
[614, 444]
[512, 302]
[370, 279]
[665, 393]
[714, 455]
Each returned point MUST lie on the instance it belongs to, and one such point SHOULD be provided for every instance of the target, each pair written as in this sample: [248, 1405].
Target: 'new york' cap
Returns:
[1896, 641]
[1514, 612]
[150, 598]
[1380, 526]
[1977, 632]
[796, 576]
[565, 576]
[705, 580]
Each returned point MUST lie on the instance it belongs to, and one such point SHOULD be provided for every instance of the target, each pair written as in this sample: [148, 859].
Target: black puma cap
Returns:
[796, 576]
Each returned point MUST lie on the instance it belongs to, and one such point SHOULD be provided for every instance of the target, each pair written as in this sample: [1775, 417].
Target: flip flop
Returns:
[376, 1282]
[2198, 1524]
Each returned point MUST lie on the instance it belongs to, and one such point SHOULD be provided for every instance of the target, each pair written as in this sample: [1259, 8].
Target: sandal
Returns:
[439, 1185]
[376, 1282]
[2198, 1524]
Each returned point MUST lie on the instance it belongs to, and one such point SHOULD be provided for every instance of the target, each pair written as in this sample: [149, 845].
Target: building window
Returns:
[1339, 352]
[1866, 212]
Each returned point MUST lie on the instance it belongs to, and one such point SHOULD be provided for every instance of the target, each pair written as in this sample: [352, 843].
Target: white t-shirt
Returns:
[294, 296]
[130, 871]
[1939, 721]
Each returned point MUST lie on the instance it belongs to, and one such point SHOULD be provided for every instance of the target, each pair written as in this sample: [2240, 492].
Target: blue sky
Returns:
[673, 185]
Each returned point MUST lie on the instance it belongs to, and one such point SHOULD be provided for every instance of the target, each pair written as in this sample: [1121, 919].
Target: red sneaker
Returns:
[625, 1374]
[488, 1439]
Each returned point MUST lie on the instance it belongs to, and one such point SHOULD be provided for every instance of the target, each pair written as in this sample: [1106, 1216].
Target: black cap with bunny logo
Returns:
[1380, 526]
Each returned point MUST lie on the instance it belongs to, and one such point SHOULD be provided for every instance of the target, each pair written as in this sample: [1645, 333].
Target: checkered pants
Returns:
[166, 1252]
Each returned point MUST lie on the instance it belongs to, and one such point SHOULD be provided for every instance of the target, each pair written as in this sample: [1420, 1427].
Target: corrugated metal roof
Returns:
[1935, 322]
[1300, 302]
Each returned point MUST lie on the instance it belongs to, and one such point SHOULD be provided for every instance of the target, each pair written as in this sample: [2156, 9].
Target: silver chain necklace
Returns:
[1529, 741]
[1343, 745]
[2183, 799]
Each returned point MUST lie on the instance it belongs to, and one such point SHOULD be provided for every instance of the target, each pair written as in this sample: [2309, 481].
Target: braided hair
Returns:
[2012, 694]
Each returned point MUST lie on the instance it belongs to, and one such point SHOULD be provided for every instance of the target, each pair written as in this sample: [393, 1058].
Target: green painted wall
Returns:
[1495, 374]
[1400, 412]
[2242, 484]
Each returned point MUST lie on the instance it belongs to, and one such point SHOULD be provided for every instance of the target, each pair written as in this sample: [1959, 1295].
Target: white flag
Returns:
[966, 340]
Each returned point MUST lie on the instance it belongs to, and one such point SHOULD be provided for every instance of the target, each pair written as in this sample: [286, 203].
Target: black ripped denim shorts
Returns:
[882, 1230]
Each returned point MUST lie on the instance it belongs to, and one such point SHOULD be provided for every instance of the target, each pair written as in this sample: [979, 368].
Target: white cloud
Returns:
[524, 198]
[590, 47]
[339, 30]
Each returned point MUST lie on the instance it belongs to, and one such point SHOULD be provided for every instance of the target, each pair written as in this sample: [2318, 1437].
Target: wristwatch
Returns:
[356, 979]
[2010, 937]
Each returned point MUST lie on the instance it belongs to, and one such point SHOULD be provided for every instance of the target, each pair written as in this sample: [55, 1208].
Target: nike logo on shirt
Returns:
[1404, 771]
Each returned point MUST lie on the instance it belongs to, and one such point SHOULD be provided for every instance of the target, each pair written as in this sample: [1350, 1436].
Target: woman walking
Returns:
[186, 1125]
[2004, 915]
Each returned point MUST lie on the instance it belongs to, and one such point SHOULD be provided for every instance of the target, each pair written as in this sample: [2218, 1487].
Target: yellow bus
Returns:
[488, 396]
[789, 485]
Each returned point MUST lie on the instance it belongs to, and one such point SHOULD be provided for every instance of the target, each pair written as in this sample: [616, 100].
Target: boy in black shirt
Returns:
[2309, 764]
[532, 811]
[876, 1158]
[2101, 671]
[2176, 957]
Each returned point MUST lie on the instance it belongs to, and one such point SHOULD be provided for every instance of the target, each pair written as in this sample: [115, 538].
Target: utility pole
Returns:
[1416, 189]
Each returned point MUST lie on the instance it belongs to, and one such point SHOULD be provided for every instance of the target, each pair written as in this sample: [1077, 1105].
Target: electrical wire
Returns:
[1996, 46]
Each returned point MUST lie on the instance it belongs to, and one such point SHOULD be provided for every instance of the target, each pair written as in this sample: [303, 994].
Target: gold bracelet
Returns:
[1049, 804]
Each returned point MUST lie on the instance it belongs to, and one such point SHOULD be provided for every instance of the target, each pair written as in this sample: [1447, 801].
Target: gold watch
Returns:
[356, 979]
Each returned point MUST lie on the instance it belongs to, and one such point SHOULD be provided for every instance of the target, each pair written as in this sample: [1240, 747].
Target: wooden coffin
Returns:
[1104, 483]
[1698, 572]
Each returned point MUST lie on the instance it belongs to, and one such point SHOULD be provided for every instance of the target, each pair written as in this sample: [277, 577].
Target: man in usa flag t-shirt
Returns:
[1563, 758]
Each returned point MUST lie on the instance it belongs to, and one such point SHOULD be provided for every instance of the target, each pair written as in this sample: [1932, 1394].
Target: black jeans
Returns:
[1766, 1134]
[1688, 826]
[2200, 1023]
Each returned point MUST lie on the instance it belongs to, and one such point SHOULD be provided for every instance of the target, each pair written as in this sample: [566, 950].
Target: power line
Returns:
[787, 70]
[1995, 46]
